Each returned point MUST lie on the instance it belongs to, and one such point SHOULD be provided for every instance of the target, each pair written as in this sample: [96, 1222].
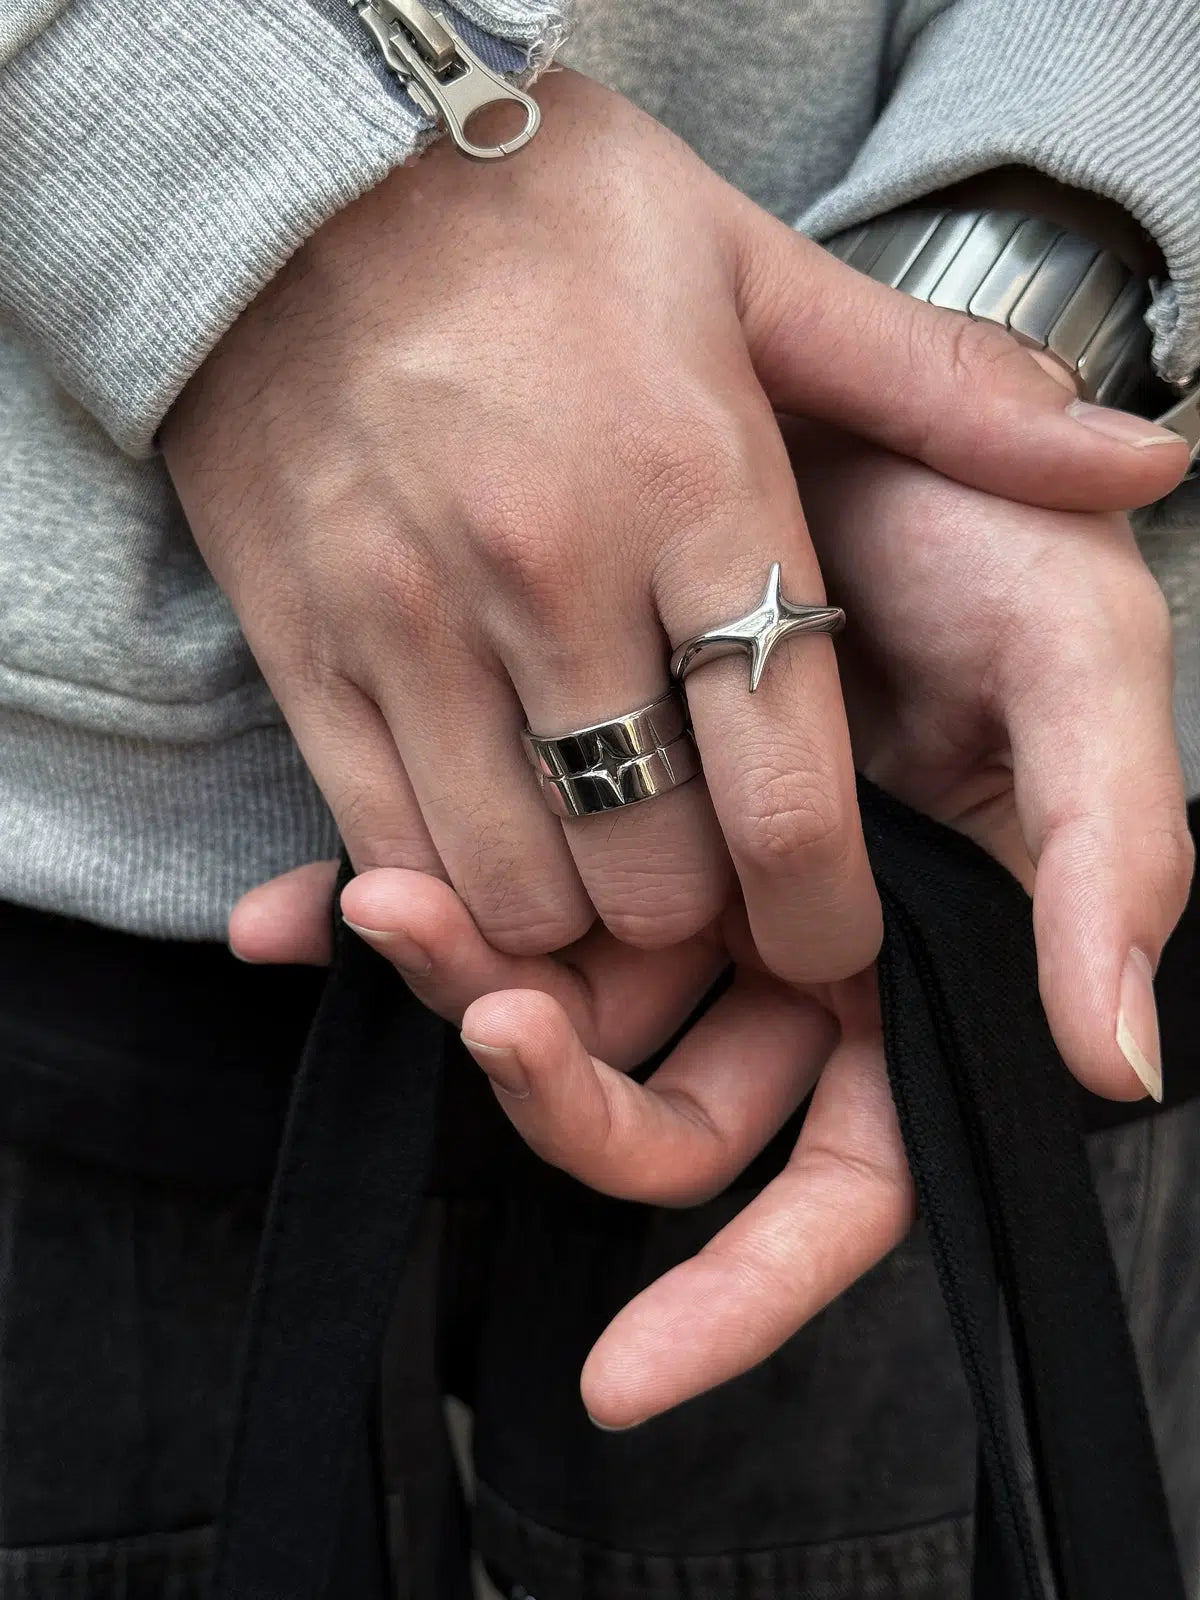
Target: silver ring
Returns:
[757, 633]
[622, 762]
[584, 794]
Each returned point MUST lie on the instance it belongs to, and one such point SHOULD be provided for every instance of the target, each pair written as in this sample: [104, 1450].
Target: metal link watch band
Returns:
[1050, 288]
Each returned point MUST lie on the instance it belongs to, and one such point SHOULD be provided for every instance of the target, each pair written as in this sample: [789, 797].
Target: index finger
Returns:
[843, 1201]
[685, 1133]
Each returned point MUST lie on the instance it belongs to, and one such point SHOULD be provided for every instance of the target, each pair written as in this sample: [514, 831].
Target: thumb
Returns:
[963, 396]
[1101, 802]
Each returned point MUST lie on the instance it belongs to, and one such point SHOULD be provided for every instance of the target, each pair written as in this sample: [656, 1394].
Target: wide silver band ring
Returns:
[585, 794]
[621, 762]
[756, 633]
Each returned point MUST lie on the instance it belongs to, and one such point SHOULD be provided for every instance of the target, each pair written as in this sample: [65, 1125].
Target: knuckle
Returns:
[963, 350]
[974, 348]
[297, 640]
[786, 818]
[522, 536]
[381, 831]
[1150, 839]
[656, 927]
[1147, 616]
[358, 820]
[961, 354]
[312, 664]
[651, 901]
[519, 922]
[416, 603]
[1182, 860]
[396, 584]
[492, 500]
[685, 1193]
[583, 1146]
[879, 1179]
[1090, 609]
[534, 935]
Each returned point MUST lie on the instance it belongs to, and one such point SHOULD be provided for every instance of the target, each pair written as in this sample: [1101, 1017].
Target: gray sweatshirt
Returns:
[159, 162]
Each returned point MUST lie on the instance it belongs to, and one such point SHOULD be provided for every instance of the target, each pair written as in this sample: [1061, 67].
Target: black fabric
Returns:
[992, 1128]
[167, 1059]
[303, 1514]
[991, 1122]
[175, 1060]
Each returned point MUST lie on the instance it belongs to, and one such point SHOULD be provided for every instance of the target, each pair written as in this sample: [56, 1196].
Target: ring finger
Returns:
[501, 848]
[656, 871]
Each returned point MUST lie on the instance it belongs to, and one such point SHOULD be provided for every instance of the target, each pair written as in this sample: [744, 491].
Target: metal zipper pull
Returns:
[445, 78]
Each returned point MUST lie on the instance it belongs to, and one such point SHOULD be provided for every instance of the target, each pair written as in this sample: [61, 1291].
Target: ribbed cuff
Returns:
[162, 161]
[1101, 97]
[158, 839]
[20, 23]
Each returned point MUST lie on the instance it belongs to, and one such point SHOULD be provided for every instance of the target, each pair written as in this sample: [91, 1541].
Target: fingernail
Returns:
[1137, 1024]
[1120, 425]
[248, 960]
[1052, 366]
[502, 1065]
[400, 950]
[605, 1427]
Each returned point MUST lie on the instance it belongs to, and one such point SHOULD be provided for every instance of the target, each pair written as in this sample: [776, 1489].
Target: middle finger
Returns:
[777, 761]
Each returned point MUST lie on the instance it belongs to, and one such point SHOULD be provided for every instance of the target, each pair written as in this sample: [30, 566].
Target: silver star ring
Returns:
[757, 633]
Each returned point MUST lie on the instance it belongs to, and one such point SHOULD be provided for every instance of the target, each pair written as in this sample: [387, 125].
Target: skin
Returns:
[432, 529]
[1047, 678]
[494, 441]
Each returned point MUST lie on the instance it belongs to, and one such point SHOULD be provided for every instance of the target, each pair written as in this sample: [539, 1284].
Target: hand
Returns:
[557, 1036]
[496, 439]
[1010, 672]
[994, 713]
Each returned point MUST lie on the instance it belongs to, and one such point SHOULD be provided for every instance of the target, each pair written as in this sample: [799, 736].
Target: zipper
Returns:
[442, 75]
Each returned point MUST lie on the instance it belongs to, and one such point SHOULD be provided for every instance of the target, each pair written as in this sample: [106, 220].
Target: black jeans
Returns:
[840, 1468]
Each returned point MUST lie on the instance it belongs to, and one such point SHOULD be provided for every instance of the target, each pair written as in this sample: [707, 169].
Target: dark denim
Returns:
[120, 1308]
[841, 1468]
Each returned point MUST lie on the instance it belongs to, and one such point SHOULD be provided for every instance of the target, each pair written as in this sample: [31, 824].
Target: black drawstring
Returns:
[991, 1124]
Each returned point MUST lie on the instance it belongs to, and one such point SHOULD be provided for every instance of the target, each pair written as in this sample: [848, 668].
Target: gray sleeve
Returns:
[159, 163]
[1103, 95]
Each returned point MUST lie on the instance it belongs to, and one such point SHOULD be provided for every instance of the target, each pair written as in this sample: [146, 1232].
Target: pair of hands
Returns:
[1035, 705]
[486, 449]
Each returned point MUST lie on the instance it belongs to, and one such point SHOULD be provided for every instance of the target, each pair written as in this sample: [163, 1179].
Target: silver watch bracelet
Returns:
[1050, 288]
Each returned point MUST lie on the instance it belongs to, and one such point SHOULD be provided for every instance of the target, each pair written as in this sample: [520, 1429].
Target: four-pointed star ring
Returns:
[757, 633]
[641, 754]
